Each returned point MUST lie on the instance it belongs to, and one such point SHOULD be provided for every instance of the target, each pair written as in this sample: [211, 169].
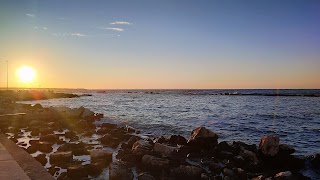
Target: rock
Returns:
[70, 135]
[215, 168]
[249, 156]
[45, 147]
[164, 150]
[109, 140]
[187, 172]
[141, 148]
[61, 157]
[37, 106]
[131, 141]
[228, 172]
[315, 161]
[77, 149]
[285, 149]
[177, 140]
[42, 159]
[145, 176]
[119, 171]
[49, 138]
[76, 172]
[87, 113]
[108, 126]
[224, 146]
[239, 161]
[261, 177]
[53, 170]
[204, 176]
[94, 169]
[283, 175]
[153, 163]
[100, 155]
[269, 145]
[202, 138]
[62, 176]
[240, 173]
[31, 149]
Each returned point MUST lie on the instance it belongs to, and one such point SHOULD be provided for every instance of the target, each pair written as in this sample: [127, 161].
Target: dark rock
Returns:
[315, 161]
[153, 163]
[132, 140]
[95, 169]
[187, 172]
[45, 147]
[49, 138]
[164, 150]
[76, 172]
[145, 176]
[215, 168]
[100, 155]
[240, 173]
[224, 146]
[109, 140]
[203, 138]
[269, 145]
[119, 171]
[109, 126]
[239, 161]
[53, 170]
[42, 159]
[285, 149]
[70, 135]
[61, 157]
[283, 175]
[177, 140]
[228, 172]
[63, 175]
[250, 156]
[261, 177]
[76, 148]
[31, 149]
[141, 148]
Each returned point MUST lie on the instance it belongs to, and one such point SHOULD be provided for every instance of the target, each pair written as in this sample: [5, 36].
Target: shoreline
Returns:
[76, 141]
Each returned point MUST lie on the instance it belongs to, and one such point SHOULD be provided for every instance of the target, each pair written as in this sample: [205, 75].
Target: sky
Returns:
[161, 44]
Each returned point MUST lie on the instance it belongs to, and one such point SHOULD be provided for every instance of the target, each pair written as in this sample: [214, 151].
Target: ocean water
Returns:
[247, 117]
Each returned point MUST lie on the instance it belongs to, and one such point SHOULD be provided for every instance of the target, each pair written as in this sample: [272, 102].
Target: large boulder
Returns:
[61, 157]
[202, 137]
[87, 113]
[119, 171]
[283, 175]
[315, 161]
[164, 150]
[101, 155]
[187, 172]
[269, 145]
[141, 148]
[153, 163]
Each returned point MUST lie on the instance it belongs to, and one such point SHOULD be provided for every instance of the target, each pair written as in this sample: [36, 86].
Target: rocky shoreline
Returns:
[77, 144]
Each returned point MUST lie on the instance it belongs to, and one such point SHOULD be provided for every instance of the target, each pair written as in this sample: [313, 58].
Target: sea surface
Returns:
[235, 115]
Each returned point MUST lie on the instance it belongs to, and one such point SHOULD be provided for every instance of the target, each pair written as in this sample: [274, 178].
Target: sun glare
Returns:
[26, 74]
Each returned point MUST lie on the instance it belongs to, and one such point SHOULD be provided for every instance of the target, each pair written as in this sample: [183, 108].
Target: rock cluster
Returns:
[200, 156]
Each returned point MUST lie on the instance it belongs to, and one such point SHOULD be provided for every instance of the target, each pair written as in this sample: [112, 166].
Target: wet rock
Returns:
[145, 176]
[204, 176]
[283, 175]
[95, 169]
[130, 129]
[261, 177]
[76, 172]
[269, 145]
[37, 106]
[224, 146]
[153, 163]
[77, 149]
[49, 138]
[108, 126]
[217, 177]
[228, 172]
[63, 175]
[240, 173]
[202, 138]
[87, 113]
[285, 149]
[45, 147]
[53, 170]
[249, 156]
[164, 150]
[239, 161]
[42, 159]
[119, 171]
[132, 140]
[141, 148]
[215, 168]
[101, 155]
[177, 140]
[31, 149]
[70, 135]
[109, 140]
[315, 161]
[187, 172]
[61, 157]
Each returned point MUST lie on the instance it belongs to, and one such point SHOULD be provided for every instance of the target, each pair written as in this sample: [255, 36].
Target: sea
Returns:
[234, 114]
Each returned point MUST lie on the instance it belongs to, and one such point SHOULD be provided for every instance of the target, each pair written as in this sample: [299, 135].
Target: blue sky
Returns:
[163, 44]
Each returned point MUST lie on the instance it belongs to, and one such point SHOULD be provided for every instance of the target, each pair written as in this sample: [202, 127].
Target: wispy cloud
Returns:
[115, 29]
[77, 34]
[121, 23]
[31, 15]
[45, 28]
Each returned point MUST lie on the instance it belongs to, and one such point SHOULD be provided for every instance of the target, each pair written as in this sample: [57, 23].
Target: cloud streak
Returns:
[115, 29]
[120, 23]
[77, 34]
[31, 15]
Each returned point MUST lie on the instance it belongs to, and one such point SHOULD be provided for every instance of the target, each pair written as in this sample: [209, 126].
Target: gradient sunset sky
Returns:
[147, 44]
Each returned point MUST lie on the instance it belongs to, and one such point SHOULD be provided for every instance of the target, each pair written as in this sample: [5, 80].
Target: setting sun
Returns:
[26, 74]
